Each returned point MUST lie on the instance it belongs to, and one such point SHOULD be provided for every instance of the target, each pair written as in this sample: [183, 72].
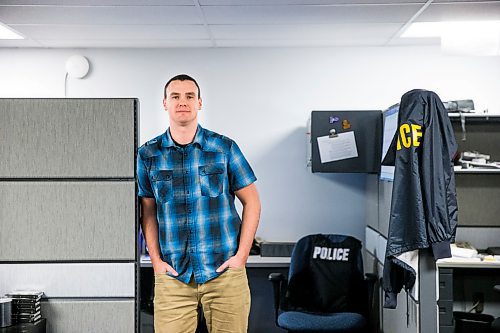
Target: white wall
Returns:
[261, 98]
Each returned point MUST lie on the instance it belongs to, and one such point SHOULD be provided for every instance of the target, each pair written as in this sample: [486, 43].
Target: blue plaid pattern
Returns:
[198, 225]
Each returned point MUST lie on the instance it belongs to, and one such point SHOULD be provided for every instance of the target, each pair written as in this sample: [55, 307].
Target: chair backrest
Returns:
[326, 275]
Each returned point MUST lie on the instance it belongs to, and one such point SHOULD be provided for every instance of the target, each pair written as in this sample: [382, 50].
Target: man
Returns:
[188, 178]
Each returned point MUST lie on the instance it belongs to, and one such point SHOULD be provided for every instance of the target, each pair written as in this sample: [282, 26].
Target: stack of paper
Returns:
[26, 305]
[463, 250]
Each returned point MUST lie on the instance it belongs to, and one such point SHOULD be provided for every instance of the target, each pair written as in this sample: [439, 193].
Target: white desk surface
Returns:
[464, 263]
[253, 261]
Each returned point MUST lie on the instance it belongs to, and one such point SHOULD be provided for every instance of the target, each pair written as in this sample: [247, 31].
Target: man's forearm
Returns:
[150, 230]
[251, 216]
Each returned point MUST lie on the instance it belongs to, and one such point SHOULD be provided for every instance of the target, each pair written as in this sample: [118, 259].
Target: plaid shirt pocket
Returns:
[211, 179]
[162, 181]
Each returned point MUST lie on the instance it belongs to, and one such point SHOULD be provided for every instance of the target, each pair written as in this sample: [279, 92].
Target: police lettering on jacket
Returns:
[328, 253]
[409, 135]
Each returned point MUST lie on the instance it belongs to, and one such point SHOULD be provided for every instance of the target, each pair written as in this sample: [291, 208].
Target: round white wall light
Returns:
[77, 66]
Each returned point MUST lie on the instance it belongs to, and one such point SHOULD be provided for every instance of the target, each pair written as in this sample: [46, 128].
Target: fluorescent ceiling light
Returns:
[423, 29]
[8, 33]
[467, 37]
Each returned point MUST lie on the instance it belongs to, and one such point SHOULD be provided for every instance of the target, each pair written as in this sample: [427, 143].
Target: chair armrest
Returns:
[497, 288]
[279, 281]
[276, 277]
[370, 280]
[371, 277]
[371, 283]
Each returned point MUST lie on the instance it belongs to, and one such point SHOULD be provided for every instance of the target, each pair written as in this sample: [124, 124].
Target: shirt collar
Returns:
[168, 142]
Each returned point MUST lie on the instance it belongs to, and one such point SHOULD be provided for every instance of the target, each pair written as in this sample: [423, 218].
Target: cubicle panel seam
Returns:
[137, 322]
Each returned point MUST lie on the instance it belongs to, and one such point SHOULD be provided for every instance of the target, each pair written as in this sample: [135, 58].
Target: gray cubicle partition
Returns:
[365, 127]
[67, 138]
[60, 221]
[478, 190]
[104, 315]
[68, 209]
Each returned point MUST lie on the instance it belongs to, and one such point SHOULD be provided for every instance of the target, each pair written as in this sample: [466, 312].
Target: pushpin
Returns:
[346, 124]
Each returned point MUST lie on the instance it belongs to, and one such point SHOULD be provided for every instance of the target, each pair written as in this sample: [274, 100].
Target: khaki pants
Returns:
[225, 301]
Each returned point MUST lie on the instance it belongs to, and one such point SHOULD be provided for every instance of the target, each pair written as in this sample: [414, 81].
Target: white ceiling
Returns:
[228, 23]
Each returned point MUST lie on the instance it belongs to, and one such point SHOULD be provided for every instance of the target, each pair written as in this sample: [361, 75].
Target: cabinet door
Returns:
[67, 138]
[62, 221]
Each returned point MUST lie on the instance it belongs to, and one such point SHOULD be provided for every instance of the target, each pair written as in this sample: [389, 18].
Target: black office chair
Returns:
[495, 325]
[326, 290]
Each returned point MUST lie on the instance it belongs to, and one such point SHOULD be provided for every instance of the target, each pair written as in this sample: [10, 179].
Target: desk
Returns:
[36, 327]
[253, 261]
[261, 290]
[458, 281]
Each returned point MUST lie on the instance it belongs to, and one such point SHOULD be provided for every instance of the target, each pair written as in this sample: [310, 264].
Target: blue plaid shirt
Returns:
[198, 225]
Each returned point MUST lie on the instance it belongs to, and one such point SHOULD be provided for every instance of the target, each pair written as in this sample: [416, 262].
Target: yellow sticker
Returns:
[346, 124]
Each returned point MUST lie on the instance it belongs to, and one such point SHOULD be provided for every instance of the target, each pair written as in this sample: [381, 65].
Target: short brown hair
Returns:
[181, 77]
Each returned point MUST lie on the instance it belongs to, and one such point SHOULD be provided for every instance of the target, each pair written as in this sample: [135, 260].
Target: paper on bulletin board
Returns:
[340, 147]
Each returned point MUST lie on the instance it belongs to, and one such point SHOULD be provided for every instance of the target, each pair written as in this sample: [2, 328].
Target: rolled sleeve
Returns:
[240, 172]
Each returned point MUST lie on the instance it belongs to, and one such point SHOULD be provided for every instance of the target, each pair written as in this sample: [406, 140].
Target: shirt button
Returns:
[187, 192]
[186, 172]
[189, 211]
[185, 154]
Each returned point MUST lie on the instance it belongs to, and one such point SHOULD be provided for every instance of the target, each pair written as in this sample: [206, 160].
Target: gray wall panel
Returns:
[394, 320]
[370, 263]
[384, 209]
[482, 135]
[57, 138]
[67, 221]
[380, 270]
[478, 199]
[480, 238]
[65, 316]
[372, 201]
[70, 280]
[371, 241]
[381, 247]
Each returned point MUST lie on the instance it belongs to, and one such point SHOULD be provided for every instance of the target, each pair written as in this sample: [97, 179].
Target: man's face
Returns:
[182, 102]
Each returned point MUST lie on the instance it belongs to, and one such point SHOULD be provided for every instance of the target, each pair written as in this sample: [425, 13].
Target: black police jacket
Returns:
[424, 205]
[326, 275]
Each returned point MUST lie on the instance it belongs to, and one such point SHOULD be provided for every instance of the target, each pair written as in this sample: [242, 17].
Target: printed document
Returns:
[340, 147]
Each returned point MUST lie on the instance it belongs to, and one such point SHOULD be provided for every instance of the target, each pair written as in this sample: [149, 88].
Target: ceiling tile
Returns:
[231, 23]
[471, 1]
[172, 32]
[124, 43]
[297, 42]
[305, 32]
[461, 12]
[309, 14]
[100, 15]
[97, 2]
[302, 2]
